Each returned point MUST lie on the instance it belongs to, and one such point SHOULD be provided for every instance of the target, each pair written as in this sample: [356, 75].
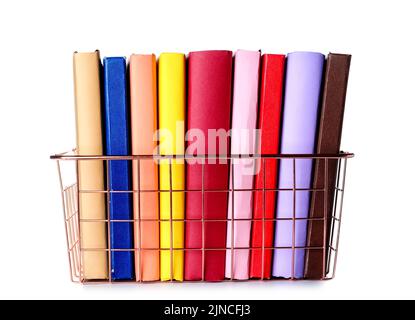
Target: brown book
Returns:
[329, 137]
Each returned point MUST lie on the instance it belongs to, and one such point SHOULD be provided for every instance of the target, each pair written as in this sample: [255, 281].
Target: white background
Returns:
[37, 38]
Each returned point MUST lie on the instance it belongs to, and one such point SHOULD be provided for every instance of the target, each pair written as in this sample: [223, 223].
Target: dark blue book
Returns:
[117, 136]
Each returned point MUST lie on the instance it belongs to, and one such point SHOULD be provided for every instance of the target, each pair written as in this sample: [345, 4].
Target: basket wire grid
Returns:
[68, 163]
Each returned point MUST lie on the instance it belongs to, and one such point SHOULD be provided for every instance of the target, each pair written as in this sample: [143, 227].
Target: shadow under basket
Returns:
[326, 182]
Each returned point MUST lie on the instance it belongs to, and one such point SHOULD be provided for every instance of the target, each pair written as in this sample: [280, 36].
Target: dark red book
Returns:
[209, 107]
[272, 79]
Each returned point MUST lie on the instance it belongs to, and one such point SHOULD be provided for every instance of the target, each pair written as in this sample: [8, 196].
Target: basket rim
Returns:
[72, 155]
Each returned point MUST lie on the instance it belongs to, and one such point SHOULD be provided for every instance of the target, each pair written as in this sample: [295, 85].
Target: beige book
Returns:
[93, 236]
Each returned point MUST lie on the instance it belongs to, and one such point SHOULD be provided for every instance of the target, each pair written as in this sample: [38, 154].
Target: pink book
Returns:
[241, 176]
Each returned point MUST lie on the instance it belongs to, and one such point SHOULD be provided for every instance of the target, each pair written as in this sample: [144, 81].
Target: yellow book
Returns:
[172, 104]
[90, 172]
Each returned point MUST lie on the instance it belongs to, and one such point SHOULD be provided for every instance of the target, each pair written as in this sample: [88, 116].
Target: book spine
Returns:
[272, 79]
[244, 118]
[209, 103]
[89, 141]
[143, 93]
[118, 143]
[300, 116]
[172, 105]
[328, 142]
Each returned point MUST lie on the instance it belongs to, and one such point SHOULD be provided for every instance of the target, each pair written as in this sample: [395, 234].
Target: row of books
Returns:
[296, 104]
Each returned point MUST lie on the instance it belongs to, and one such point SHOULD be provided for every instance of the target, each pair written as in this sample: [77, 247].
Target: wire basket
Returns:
[332, 192]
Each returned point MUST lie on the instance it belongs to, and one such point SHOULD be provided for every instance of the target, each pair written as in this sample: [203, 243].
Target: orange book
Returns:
[143, 92]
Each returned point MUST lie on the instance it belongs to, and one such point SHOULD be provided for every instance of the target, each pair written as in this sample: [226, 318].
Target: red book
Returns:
[209, 107]
[272, 79]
